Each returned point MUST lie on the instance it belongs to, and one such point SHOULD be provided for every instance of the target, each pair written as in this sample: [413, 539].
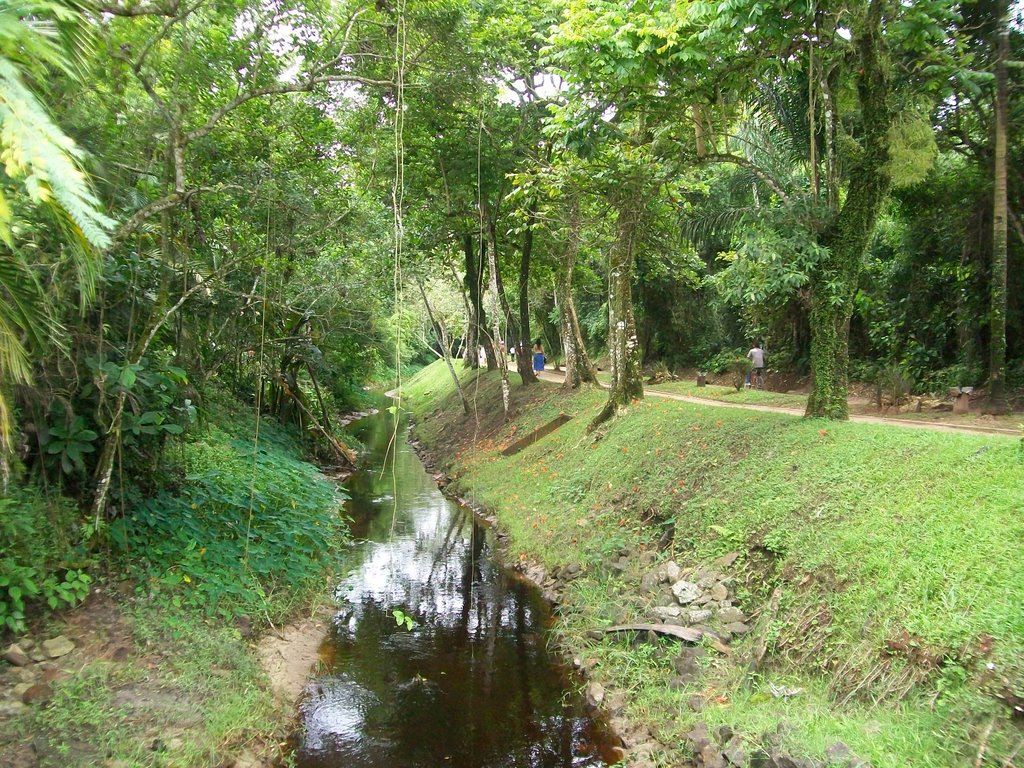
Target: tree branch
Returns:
[744, 163]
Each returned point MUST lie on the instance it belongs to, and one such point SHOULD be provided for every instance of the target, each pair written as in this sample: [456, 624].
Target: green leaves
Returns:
[68, 443]
[403, 619]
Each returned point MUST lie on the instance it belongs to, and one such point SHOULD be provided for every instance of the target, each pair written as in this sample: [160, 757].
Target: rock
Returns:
[726, 561]
[244, 624]
[838, 752]
[685, 592]
[681, 681]
[647, 558]
[698, 616]
[737, 628]
[667, 611]
[695, 703]
[841, 755]
[15, 656]
[12, 708]
[20, 688]
[672, 572]
[53, 675]
[731, 615]
[712, 757]
[57, 647]
[38, 656]
[649, 582]
[723, 734]
[27, 643]
[615, 702]
[40, 693]
[719, 593]
[595, 694]
[734, 754]
[698, 737]
[248, 759]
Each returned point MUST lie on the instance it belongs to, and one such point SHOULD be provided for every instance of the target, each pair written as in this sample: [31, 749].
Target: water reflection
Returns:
[471, 684]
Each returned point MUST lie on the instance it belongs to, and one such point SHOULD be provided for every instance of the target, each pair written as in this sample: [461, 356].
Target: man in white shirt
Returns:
[756, 357]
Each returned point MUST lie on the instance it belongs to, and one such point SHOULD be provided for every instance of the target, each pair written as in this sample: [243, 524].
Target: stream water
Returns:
[471, 684]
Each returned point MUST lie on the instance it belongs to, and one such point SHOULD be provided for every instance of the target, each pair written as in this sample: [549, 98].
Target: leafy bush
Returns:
[723, 361]
[237, 530]
[40, 568]
[959, 375]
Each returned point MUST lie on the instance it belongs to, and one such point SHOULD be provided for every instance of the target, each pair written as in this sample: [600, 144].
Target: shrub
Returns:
[740, 367]
[242, 526]
[40, 567]
[893, 384]
[959, 375]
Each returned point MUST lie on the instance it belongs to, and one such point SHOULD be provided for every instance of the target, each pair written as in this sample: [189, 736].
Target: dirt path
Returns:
[935, 426]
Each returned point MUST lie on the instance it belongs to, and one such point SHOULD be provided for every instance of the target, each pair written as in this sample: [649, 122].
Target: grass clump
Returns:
[205, 700]
[894, 552]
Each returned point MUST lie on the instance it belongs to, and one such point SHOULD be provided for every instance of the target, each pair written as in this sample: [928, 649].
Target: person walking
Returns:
[538, 357]
[756, 357]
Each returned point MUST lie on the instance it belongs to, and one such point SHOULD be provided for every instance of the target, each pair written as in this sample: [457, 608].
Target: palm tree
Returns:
[42, 168]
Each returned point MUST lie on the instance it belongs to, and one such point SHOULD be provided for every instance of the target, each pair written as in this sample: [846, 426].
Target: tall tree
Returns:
[578, 367]
[997, 340]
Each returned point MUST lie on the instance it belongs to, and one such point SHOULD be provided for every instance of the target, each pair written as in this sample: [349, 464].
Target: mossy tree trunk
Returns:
[578, 368]
[834, 282]
[623, 345]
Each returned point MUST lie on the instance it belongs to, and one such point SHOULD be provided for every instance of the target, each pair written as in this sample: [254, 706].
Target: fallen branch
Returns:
[688, 634]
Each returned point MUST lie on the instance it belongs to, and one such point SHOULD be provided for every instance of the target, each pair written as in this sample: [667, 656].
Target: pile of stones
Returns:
[697, 597]
[721, 748]
[33, 671]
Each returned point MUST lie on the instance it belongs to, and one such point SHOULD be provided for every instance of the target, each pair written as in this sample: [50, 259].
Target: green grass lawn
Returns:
[721, 393]
[896, 551]
[731, 394]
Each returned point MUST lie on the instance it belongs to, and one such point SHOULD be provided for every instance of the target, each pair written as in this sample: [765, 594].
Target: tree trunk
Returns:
[578, 367]
[492, 258]
[524, 360]
[698, 131]
[477, 335]
[623, 347]
[834, 282]
[506, 309]
[997, 316]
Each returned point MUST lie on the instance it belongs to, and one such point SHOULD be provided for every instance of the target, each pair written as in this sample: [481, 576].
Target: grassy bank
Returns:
[894, 552]
[243, 535]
